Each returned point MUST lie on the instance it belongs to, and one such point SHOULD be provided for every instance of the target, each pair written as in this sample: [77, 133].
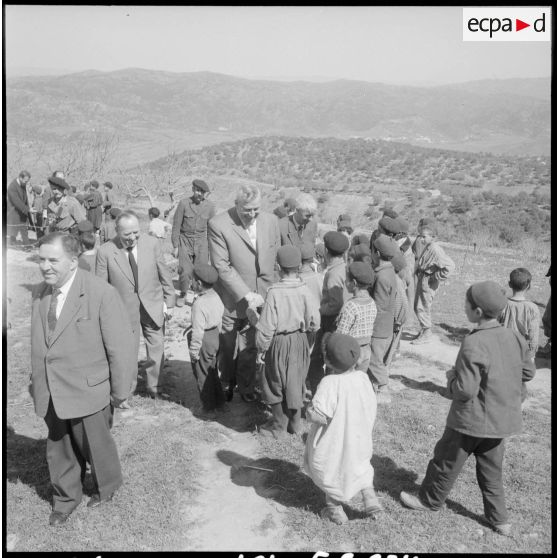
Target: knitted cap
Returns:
[388, 224]
[336, 242]
[360, 251]
[206, 273]
[307, 252]
[85, 226]
[342, 351]
[386, 246]
[288, 257]
[360, 239]
[489, 297]
[108, 184]
[362, 272]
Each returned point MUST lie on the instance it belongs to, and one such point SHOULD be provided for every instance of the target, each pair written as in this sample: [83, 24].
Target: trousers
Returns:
[377, 369]
[191, 250]
[427, 287]
[450, 454]
[73, 442]
[238, 352]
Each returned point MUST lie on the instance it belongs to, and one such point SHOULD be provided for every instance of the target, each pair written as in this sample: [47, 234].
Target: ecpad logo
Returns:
[506, 24]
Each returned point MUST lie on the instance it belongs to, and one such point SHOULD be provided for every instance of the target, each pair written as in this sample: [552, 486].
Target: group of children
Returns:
[349, 329]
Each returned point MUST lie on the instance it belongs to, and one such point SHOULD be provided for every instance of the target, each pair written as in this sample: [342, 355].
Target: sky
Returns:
[404, 45]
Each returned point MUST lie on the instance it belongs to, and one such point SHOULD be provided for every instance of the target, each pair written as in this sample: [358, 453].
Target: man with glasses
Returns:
[243, 243]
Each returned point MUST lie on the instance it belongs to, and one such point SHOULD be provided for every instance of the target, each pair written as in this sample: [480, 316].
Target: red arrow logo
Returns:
[519, 25]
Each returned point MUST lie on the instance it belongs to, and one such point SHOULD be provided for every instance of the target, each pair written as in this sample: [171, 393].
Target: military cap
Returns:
[288, 257]
[399, 262]
[488, 296]
[362, 272]
[307, 252]
[336, 242]
[360, 251]
[342, 351]
[115, 212]
[402, 225]
[200, 184]
[58, 182]
[85, 226]
[386, 246]
[389, 224]
[108, 185]
[206, 273]
[390, 212]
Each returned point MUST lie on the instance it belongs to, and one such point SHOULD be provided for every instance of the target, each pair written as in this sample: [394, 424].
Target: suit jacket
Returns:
[90, 354]
[154, 278]
[17, 204]
[243, 269]
[290, 236]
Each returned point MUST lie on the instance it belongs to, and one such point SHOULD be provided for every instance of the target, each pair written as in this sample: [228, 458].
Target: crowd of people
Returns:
[308, 326]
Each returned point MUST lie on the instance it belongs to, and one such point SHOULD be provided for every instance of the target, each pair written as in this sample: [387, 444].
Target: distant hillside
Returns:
[144, 105]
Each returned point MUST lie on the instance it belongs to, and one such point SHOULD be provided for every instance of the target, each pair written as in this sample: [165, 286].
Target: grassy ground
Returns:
[160, 444]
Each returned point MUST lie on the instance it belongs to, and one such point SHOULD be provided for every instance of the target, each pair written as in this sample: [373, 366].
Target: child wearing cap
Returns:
[383, 292]
[339, 445]
[203, 339]
[359, 312]
[334, 295]
[288, 313]
[432, 268]
[485, 385]
[521, 314]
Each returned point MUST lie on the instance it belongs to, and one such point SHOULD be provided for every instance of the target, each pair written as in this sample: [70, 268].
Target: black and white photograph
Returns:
[278, 279]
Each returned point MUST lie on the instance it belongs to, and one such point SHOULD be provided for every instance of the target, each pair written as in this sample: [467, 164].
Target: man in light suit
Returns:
[81, 357]
[299, 228]
[133, 264]
[243, 245]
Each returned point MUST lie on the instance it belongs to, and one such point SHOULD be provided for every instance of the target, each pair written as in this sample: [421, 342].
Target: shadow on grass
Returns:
[26, 463]
[390, 478]
[424, 386]
[456, 334]
[281, 481]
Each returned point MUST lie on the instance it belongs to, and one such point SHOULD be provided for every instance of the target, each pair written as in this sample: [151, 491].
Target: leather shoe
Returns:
[57, 518]
[414, 502]
[156, 395]
[95, 500]
[249, 397]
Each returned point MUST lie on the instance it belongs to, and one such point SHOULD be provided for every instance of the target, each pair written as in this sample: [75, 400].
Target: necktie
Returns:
[51, 316]
[300, 230]
[134, 266]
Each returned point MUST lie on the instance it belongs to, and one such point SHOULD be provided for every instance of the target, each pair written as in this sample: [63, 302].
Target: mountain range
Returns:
[156, 107]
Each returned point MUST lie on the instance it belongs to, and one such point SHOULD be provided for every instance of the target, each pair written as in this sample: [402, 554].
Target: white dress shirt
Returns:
[64, 289]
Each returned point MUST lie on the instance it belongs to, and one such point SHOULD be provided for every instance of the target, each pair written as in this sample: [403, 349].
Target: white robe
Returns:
[337, 456]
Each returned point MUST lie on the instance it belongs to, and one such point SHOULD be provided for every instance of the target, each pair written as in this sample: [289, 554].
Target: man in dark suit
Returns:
[243, 245]
[133, 264]
[17, 208]
[81, 357]
[299, 228]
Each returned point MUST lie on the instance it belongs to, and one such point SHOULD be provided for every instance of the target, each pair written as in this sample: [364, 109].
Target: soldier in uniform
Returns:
[65, 211]
[189, 234]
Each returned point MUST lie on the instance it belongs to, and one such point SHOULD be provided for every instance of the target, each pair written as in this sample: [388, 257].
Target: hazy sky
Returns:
[415, 45]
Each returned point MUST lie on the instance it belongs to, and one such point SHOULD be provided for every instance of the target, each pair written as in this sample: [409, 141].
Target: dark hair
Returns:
[70, 243]
[74, 189]
[24, 174]
[88, 240]
[153, 212]
[520, 279]
[469, 297]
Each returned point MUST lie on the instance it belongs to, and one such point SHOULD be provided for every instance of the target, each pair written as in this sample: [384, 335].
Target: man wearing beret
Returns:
[65, 211]
[243, 243]
[18, 208]
[299, 228]
[189, 233]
